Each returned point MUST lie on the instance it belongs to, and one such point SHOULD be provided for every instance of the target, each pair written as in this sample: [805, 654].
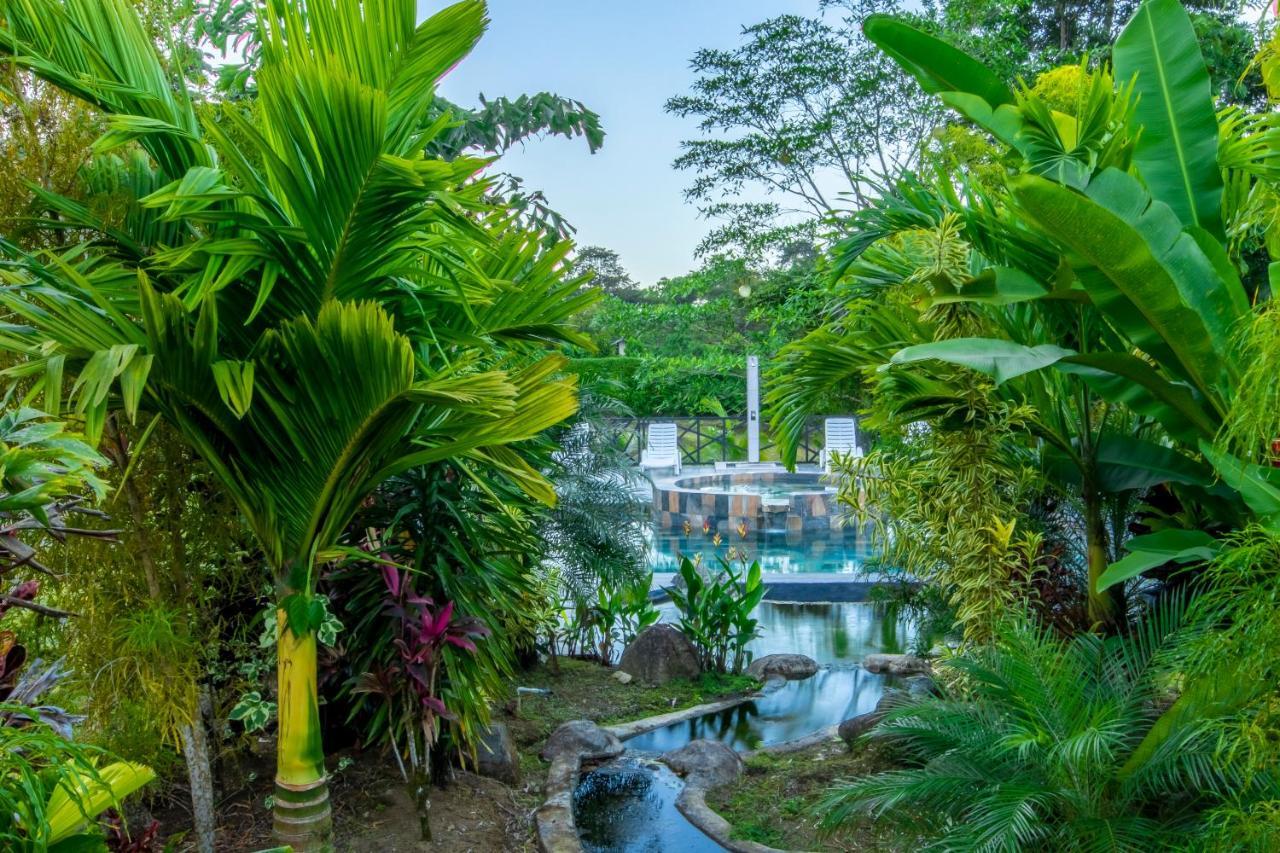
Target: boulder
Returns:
[897, 664]
[582, 738]
[790, 667]
[705, 763]
[659, 654]
[496, 756]
[855, 727]
[919, 686]
[622, 677]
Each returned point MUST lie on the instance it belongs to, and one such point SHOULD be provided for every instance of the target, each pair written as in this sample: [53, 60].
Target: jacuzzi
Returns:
[756, 501]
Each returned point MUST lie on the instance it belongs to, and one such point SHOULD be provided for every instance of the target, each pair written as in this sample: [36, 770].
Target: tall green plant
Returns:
[715, 612]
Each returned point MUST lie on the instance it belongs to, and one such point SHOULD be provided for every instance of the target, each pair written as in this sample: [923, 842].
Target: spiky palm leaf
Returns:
[1045, 744]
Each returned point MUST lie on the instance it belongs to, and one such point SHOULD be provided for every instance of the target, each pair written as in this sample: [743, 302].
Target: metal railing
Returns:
[707, 440]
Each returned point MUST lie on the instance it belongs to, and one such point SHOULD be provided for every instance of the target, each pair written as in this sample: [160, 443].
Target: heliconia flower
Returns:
[715, 540]
[688, 527]
[706, 526]
[742, 529]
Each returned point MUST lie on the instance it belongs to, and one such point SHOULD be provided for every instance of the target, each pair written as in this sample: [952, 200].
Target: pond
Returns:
[628, 805]
[796, 709]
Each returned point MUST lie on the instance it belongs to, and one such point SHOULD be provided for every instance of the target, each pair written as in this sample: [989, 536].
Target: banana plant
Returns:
[310, 299]
[1139, 230]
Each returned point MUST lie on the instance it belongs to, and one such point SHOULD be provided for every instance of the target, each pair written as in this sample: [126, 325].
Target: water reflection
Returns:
[628, 806]
[828, 633]
[797, 709]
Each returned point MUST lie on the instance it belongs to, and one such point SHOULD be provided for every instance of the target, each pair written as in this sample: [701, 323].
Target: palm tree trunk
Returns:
[1105, 608]
[302, 818]
[195, 751]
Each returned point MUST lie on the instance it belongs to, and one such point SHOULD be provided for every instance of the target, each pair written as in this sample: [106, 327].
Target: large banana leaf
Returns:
[1116, 377]
[1157, 549]
[937, 66]
[1145, 273]
[1177, 151]
[1001, 360]
[1123, 463]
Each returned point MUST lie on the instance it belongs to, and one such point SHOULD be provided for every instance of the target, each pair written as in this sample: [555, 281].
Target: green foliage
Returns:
[798, 100]
[949, 508]
[715, 609]
[1044, 743]
[52, 788]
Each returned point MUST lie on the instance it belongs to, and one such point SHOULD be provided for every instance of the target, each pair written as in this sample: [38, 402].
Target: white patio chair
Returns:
[662, 447]
[841, 437]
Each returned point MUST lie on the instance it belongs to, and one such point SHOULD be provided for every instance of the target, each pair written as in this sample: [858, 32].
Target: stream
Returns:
[628, 805]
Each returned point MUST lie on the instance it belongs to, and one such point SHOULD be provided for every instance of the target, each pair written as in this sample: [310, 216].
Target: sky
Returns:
[623, 59]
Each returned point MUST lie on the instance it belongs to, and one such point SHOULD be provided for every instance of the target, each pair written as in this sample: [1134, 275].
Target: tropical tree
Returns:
[1106, 261]
[312, 301]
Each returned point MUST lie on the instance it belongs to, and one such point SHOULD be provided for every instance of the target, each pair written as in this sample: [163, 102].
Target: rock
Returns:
[582, 738]
[496, 756]
[622, 677]
[790, 667]
[920, 686]
[855, 727]
[659, 654]
[897, 664]
[705, 763]
[773, 684]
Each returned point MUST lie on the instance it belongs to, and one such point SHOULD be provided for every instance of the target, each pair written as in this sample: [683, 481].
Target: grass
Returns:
[773, 802]
[586, 690]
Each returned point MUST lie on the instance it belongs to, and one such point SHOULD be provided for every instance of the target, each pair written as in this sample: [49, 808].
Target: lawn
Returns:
[774, 802]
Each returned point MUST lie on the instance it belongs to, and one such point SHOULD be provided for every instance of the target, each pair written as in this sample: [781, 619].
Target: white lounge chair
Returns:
[841, 437]
[662, 447]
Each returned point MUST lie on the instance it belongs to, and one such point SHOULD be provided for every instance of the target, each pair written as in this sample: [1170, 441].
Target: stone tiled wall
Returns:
[810, 506]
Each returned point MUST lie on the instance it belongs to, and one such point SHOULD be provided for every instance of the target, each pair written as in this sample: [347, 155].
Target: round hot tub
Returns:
[762, 501]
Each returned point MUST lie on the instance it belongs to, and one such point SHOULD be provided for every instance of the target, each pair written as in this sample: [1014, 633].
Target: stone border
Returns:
[622, 731]
[557, 832]
[555, 828]
[692, 803]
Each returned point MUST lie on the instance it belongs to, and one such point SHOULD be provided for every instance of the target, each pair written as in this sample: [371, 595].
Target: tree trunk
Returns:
[301, 813]
[1106, 608]
[195, 750]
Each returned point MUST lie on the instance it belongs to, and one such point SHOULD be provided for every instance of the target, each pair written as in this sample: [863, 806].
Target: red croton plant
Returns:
[410, 686]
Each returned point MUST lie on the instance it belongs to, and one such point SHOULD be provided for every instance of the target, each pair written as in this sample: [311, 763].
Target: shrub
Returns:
[1051, 744]
[715, 613]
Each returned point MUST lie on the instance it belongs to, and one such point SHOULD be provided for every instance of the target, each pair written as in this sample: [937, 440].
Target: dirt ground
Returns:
[372, 808]
[373, 811]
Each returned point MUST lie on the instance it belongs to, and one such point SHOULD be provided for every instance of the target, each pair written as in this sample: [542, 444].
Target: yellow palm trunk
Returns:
[301, 812]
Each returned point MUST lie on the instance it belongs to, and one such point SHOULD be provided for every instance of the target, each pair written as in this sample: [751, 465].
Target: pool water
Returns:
[838, 552]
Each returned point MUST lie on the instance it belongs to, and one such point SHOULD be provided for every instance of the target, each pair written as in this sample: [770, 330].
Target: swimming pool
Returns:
[842, 551]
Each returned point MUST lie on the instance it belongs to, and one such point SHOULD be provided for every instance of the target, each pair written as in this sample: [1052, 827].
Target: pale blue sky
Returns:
[623, 58]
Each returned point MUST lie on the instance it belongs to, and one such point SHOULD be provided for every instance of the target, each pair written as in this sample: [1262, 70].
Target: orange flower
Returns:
[706, 526]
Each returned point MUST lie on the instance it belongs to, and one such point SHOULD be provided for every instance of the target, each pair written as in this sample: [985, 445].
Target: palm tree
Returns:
[313, 302]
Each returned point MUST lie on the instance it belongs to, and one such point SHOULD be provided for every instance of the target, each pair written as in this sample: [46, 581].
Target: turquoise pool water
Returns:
[840, 552]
